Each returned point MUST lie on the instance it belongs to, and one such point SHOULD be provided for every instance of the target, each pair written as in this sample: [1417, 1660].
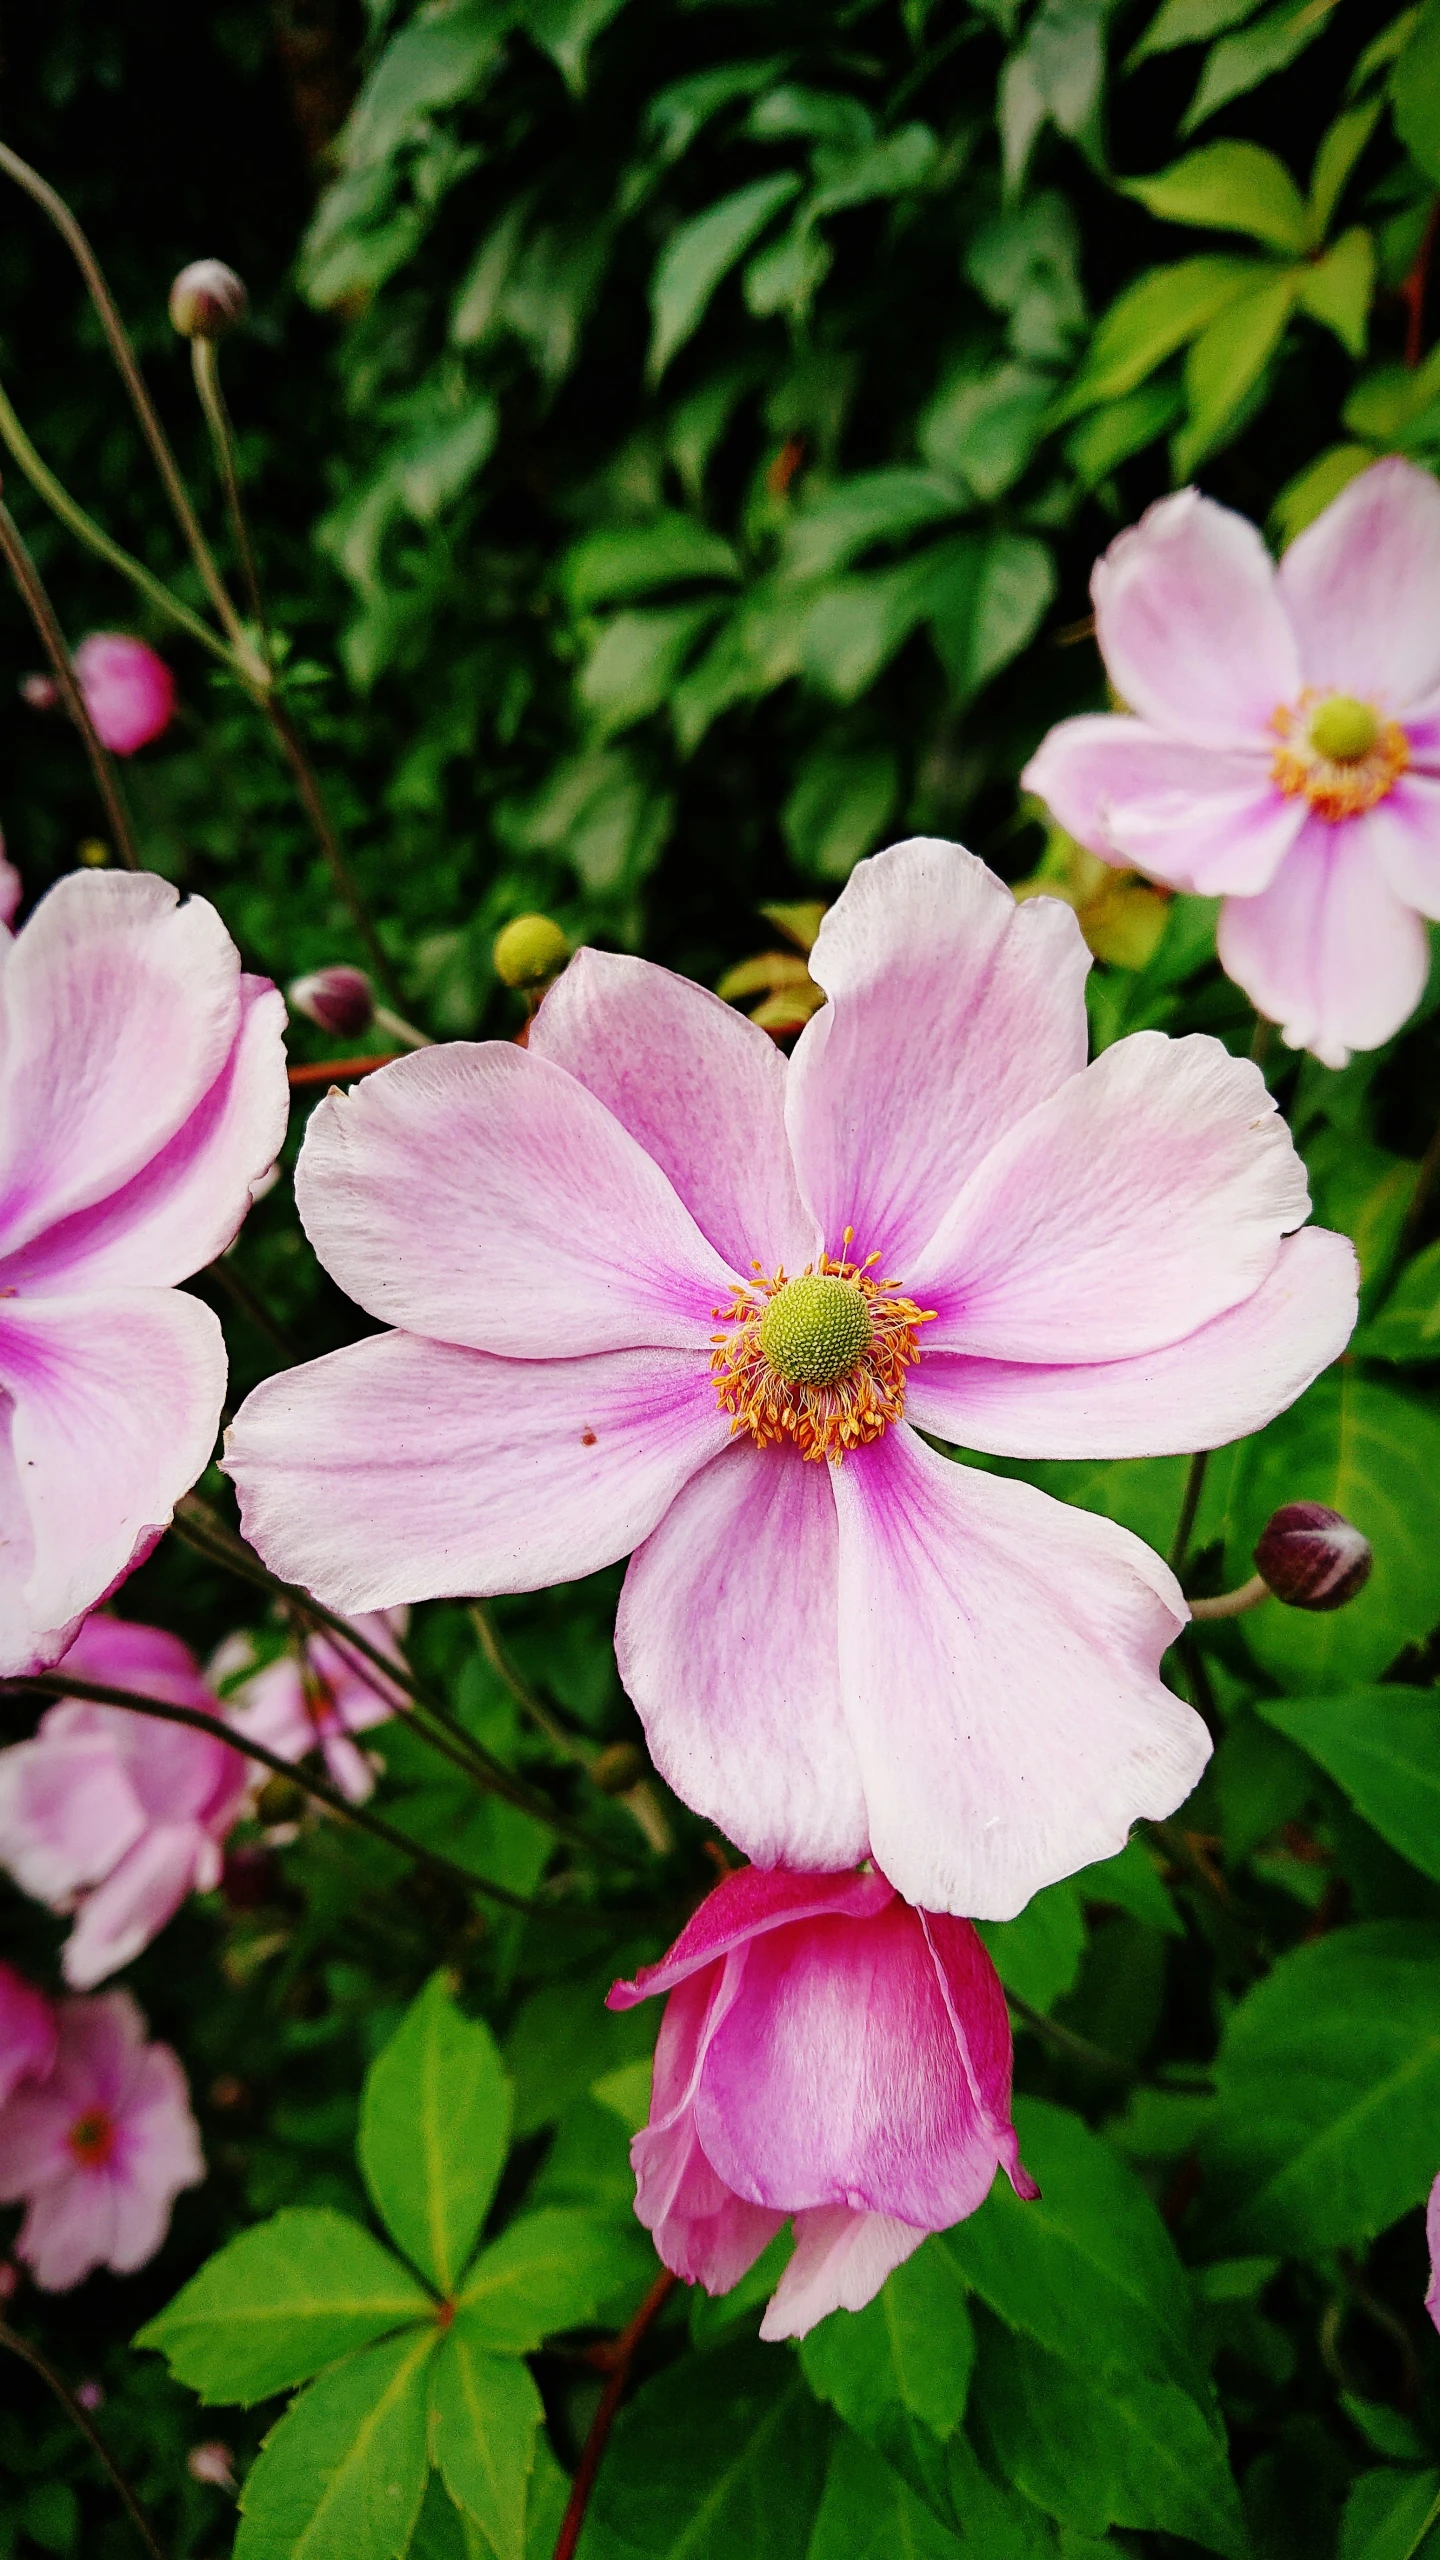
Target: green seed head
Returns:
[815, 1329]
[528, 951]
[1344, 730]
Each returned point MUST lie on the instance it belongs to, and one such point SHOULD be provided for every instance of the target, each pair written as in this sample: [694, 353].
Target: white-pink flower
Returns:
[128, 691]
[1284, 748]
[580, 1246]
[27, 2032]
[114, 1815]
[315, 1695]
[100, 2150]
[142, 1095]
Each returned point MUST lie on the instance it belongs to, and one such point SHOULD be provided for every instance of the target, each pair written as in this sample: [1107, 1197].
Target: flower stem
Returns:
[1189, 1509]
[622, 2356]
[206, 369]
[1230, 1604]
[312, 802]
[640, 1801]
[42, 613]
[31, 2355]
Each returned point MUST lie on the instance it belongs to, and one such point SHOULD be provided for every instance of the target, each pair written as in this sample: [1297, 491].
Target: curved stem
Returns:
[206, 370]
[1231, 1604]
[42, 613]
[1189, 1509]
[29, 2354]
[622, 2356]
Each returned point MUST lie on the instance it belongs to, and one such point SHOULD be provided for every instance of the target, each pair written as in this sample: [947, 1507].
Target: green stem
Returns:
[1189, 1510]
[640, 1801]
[42, 613]
[31, 2355]
[206, 370]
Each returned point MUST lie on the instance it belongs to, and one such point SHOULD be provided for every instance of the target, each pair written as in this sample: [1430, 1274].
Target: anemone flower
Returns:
[315, 1696]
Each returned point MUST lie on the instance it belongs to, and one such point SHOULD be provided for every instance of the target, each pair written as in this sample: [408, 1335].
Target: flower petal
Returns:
[1191, 626]
[1189, 816]
[27, 2032]
[481, 1196]
[700, 1089]
[68, 1808]
[744, 1906]
[703, 2232]
[841, 2260]
[1216, 1384]
[999, 1653]
[399, 1469]
[1147, 1196]
[1328, 950]
[1403, 832]
[132, 1906]
[120, 1010]
[952, 1011]
[117, 1398]
[726, 1641]
[1360, 585]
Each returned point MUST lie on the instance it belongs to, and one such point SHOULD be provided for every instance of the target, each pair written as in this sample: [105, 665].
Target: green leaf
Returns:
[1058, 72]
[1382, 1746]
[841, 804]
[1310, 492]
[444, 53]
[855, 625]
[1386, 2514]
[987, 598]
[788, 275]
[899, 2370]
[984, 427]
[566, 29]
[1329, 2083]
[434, 2122]
[1190, 22]
[893, 166]
[876, 506]
[1335, 161]
[868, 2513]
[1229, 186]
[1037, 1955]
[637, 660]
[1100, 2449]
[1154, 316]
[484, 2411]
[598, 810]
[1373, 1454]
[1239, 63]
[1407, 1326]
[1415, 92]
[1110, 435]
[1089, 2270]
[701, 253]
[721, 2455]
[619, 561]
[1228, 358]
[342, 2475]
[281, 2301]
[549, 2270]
[1340, 287]
[1132, 1883]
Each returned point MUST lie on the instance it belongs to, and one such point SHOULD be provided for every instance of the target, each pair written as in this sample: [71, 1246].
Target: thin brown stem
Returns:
[31, 2355]
[312, 801]
[42, 613]
[339, 1070]
[1189, 1509]
[206, 369]
[623, 2355]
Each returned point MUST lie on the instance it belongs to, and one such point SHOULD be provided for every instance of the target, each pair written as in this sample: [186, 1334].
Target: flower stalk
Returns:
[42, 613]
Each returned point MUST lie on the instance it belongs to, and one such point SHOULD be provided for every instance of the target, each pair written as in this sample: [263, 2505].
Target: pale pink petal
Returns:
[1000, 1658]
[27, 2032]
[68, 1809]
[129, 691]
[747, 1905]
[1144, 1198]
[130, 1655]
[1191, 626]
[399, 1469]
[726, 1641]
[952, 1011]
[1361, 582]
[120, 1006]
[158, 2154]
[131, 1907]
[841, 2260]
[1188, 815]
[117, 1397]
[1403, 833]
[12, 887]
[703, 2232]
[271, 1708]
[70, 2228]
[1217, 1384]
[347, 1767]
[1328, 951]
[698, 1085]
[482, 1196]
[1432, 2235]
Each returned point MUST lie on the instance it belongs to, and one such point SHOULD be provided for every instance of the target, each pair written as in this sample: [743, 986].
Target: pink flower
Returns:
[826, 2053]
[321, 1693]
[581, 1245]
[100, 2151]
[113, 1815]
[1286, 752]
[142, 1094]
[27, 2032]
[128, 691]
[12, 887]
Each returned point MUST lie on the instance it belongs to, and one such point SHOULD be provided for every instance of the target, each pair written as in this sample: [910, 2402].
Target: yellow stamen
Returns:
[819, 1360]
[1339, 754]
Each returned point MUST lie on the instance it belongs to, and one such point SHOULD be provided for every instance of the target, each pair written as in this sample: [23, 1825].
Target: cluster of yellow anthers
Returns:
[819, 1360]
[1339, 754]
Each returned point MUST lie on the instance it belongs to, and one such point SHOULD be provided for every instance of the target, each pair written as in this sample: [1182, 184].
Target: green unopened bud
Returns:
[529, 952]
[620, 1766]
[815, 1329]
[1343, 729]
[207, 299]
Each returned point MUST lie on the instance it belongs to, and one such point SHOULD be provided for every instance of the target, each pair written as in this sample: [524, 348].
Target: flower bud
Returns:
[41, 692]
[340, 999]
[618, 1766]
[207, 298]
[529, 951]
[1313, 1557]
[212, 2463]
[90, 2395]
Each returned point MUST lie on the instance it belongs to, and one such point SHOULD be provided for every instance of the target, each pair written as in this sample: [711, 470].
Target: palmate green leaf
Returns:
[722, 2454]
[876, 506]
[1229, 186]
[1386, 2514]
[1179, 22]
[1150, 320]
[342, 2475]
[617, 562]
[1228, 358]
[703, 251]
[1329, 2088]
[1335, 162]
[279, 2302]
[868, 2513]
[842, 802]
[548, 2270]
[898, 2371]
[434, 2123]
[443, 54]
[983, 426]
[484, 2411]
[988, 596]
[1340, 287]
[1382, 1746]
[567, 29]
[633, 667]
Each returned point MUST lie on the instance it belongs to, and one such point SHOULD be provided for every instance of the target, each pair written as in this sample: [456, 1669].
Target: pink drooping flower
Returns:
[1284, 748]
[113, 1815]
[27, 2032]
[128, 691]
[582, 1246]
[100, 2150]
[826, 2053]
[142, 1095]
[318, 1694]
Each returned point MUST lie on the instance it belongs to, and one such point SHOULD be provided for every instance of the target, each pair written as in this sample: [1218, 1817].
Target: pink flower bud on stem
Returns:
[340, 1000]
[1308, 1556]
[207, 300]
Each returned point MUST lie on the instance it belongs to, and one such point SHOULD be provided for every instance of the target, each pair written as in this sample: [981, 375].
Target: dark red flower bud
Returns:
[1313, 1557]
[340, 999]
[250, 1879]
[206, 299]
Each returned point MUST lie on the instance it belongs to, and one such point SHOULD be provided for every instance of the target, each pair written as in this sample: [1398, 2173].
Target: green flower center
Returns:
[1343, 730]
[815, 1329]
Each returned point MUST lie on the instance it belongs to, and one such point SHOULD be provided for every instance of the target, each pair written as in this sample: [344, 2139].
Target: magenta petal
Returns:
[481, 1196]
[1227, 1378]
[1403, 833]
[745, 1906]
[129, 691]
[1360, 585]
[703, 2231]
[842, 2258]
[399, 1469]
[1191, 626]
[1000, 1656]
[952, 1011]
[1188, 815]
[27, 2032]
[133, 1904]
[1144, 1198]
[726, 1641]
[699, 1087]
[1328, 951]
